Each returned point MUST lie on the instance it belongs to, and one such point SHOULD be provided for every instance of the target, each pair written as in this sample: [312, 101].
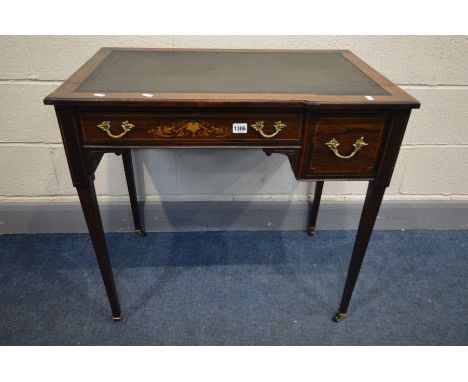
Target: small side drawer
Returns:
[345, 145]
[163, 129]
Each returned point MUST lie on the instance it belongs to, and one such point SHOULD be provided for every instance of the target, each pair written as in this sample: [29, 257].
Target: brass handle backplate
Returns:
[259, 125]
[358, 145]
[106, 125]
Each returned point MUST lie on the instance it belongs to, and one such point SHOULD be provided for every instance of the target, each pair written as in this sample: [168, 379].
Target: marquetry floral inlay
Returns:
[190, 129]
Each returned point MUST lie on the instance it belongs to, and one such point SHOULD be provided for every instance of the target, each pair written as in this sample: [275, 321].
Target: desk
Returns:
[330, 113]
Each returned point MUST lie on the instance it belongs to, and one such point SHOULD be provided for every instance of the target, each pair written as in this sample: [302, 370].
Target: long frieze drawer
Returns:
[345, 145]
[284, 127]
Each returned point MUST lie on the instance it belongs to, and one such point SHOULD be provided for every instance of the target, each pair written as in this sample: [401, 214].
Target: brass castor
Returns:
[339, 317]
[117, 318]
[311, 231]
[140, 232]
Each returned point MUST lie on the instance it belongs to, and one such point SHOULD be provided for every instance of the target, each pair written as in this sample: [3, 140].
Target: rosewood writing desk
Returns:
[331, 114]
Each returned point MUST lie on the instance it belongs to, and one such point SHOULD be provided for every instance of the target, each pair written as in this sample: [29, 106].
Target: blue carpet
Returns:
[235, 288]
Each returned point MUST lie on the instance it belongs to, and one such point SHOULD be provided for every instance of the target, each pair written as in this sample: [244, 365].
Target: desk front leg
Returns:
[371, 208]
[82, 165]
[92, 216]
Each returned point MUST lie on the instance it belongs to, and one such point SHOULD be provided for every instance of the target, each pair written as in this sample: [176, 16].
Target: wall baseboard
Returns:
[232, 216]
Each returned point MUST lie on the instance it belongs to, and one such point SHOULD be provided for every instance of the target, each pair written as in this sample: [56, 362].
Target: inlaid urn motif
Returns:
[190, 129]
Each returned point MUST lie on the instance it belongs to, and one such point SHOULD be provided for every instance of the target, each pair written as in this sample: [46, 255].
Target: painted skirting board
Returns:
[220, 216]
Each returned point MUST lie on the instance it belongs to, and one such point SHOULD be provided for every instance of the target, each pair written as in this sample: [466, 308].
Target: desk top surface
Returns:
[152, 75]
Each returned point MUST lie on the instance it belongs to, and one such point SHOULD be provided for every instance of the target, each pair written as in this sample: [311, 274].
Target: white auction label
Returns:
[239, 128]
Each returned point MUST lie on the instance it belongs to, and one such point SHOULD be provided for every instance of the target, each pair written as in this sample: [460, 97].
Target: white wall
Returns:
[433, 162]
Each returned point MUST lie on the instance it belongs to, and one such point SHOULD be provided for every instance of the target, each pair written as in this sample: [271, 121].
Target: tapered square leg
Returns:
[369, 215]
[130, 177]
[314, 209]
[92, 215]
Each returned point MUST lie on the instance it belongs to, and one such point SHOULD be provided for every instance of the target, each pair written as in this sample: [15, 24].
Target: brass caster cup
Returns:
[339, 317]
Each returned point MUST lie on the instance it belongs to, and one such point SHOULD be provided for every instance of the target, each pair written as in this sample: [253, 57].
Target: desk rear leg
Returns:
[129, 175]
[314, 209]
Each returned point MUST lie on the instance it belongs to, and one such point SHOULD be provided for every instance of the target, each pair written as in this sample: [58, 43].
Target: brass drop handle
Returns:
[259, 125]
[358, 145]
[126, 126]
